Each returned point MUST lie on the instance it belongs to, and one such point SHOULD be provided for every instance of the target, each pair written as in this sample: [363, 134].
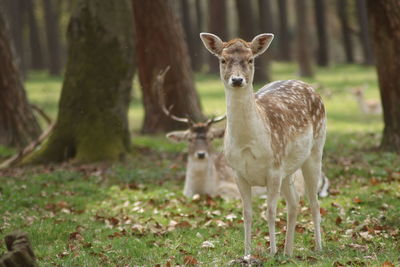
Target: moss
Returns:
[92, 122]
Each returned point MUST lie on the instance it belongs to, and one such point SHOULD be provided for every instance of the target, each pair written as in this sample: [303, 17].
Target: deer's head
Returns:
[236, 57]
[199, 137]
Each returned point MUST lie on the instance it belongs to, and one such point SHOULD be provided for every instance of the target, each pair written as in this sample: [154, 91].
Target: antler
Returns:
[215, 119]
[159, 88]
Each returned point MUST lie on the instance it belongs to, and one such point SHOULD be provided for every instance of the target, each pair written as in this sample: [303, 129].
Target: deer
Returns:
[269, 135]
[207, 172]
[367, 106]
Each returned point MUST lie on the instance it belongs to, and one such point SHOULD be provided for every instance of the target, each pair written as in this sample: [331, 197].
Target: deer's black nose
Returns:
[201, 155]
[237, 81]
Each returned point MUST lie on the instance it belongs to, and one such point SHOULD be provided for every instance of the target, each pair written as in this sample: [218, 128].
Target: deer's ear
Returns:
[212, 42]
[178, 136]
[260, 43]
[217, 133]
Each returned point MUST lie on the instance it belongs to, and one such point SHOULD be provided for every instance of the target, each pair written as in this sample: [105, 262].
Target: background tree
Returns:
[364, 32]
[92, 120]
[266, 22]
[217, 24]
[342, 9]
[160, 43]
[53, 36]
[303, 42]
[199, 51]
[15, 11]
[384, 18]
[188, 27]
[248, 29]
[322, 33]
[284, 50]
[18, 126]
[37, 62]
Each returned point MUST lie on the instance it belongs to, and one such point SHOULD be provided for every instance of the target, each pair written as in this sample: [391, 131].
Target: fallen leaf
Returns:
[190, 260]
[387, 264]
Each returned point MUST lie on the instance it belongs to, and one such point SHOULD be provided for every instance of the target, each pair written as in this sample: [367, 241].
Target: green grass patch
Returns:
[134, 213]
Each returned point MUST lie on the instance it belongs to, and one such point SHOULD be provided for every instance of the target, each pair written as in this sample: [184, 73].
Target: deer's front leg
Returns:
[245, 193]
[273, 192]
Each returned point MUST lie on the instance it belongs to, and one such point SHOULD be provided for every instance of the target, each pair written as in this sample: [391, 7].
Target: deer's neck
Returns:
[243, 119]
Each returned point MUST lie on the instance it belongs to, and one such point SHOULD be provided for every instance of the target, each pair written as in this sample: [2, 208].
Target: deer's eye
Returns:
[223, 61]
[250, 61]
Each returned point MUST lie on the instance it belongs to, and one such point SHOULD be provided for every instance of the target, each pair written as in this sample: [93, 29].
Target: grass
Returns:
[134, 213]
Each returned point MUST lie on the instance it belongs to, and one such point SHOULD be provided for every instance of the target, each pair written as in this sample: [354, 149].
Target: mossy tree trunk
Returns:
[160, 43]
[92, 122]
[384, 18]
[18, 126]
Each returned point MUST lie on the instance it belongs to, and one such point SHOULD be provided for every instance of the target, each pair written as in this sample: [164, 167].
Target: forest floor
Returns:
[134, 213]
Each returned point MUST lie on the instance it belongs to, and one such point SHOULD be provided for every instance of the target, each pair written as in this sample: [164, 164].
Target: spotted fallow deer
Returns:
[270, 134]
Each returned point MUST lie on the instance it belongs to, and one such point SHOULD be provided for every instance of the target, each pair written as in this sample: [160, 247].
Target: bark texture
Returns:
[322, 33]
[384, 18]
[92, 122]
[18, 126]
[53, 36]
[248, 29]
[217, 24]
[342, 7]
[304, 53]
[160, 43]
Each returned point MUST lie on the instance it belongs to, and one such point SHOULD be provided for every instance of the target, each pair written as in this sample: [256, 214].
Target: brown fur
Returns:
[290, 106]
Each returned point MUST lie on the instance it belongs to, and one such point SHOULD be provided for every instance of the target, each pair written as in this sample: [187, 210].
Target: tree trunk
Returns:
[364, 33]
[191, 37]
[53, 36]
[344, 20]
[304, 54]
[285, 52]
[18, 126]
[322, 34]
[37, 62]
[217, 24]
[266, 23]
[160, 43]
[384, 18]
[199, 50]
[248, 30]
[16, 16]
[92, 122]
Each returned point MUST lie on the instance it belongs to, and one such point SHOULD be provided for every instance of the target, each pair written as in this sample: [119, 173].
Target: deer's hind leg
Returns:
[292, 201]
[312, 174]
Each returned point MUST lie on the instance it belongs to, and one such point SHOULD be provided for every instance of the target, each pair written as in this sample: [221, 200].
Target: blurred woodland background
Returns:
[77, 86]
[98, 47]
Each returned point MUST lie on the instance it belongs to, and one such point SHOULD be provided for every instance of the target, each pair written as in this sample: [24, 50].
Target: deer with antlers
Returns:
[269, 135]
